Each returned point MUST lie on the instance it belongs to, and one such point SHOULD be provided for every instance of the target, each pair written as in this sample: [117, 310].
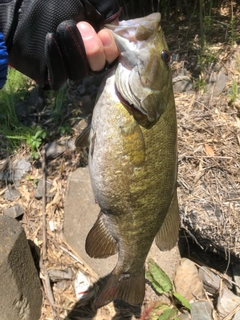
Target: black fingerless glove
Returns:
[42, 38]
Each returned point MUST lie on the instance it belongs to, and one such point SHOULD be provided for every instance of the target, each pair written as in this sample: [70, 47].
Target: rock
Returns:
[36, 99]
[201, 310]
[236, 277]
[182, 83]
[20, 169]
[20, 294]
[22, 110]
[187, 281]
[4, 175]
[11, 193]
[14, 212]
[80, 214]
[211, 281]
[236, 316]
[184, 316]
[59, 275]
[227, 302]
[53, 149]
[3, 164]
[220, 84]
[39, 190]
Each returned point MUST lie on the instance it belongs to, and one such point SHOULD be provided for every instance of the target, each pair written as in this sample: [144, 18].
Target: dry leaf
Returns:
[209, 150]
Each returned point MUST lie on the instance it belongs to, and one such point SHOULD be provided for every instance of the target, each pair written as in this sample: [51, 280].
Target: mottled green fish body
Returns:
[133, 159]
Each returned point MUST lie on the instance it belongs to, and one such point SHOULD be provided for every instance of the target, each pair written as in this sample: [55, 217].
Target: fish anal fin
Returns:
[167, 236]
[99, 241]
[127, 287]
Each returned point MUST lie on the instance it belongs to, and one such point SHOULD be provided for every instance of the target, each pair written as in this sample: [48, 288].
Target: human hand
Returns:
[100, 47]
[44, 38]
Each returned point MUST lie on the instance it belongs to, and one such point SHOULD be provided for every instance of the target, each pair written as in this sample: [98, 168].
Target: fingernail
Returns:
[86, 30]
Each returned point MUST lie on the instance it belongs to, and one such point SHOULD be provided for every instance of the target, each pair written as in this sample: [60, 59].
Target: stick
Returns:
[44, 247]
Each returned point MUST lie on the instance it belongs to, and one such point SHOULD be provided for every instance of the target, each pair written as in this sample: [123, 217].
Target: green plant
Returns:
[234, 92]
[57, 99]
[162, 285]
[35, 141]
[233, 30]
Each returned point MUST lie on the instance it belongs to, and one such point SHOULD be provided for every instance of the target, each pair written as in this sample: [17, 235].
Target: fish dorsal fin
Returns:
[100, 243]
[167, 236]
[82, 140]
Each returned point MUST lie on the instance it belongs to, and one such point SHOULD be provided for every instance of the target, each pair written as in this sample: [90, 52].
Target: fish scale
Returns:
[133, 159]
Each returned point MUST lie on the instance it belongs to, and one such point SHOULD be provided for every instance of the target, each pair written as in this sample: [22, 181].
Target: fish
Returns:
[133, 159]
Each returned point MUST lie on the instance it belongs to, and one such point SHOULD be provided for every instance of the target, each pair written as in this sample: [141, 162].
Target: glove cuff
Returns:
[3, 61]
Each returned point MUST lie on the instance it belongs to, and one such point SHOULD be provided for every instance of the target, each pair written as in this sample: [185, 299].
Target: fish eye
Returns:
[165, 55]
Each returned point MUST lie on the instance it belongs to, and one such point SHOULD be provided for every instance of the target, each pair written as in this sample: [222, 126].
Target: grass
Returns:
[15, 89]
[14, 132]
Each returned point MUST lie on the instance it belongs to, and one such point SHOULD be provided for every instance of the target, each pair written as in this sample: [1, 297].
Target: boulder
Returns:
[20, 294]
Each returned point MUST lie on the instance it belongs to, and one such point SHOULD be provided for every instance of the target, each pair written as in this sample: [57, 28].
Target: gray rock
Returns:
[184, 316]
[15, 211]
[211, 281]
[39, 190]
[36, 99]
[22, 109]
[227, 302]
[187, 281]
[53, 149]
[236, 277]
[20, 294]
[4, 175]
[201, 310]
[182, 83]
[59, 275]
[11, 193]
[20, 169]
[236, 316]
[80, 213]
[220, 84]
[3, 164]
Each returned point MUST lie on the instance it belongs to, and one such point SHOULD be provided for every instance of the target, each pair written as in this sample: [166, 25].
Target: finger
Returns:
[93, 46]
[109, 46]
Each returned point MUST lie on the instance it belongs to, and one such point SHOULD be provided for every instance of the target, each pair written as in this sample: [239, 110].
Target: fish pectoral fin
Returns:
[100, 243]
[128, 287]
[82, 140]
[167, 236]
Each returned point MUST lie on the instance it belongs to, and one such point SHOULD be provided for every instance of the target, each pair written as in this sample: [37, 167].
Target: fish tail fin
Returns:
[128, 287]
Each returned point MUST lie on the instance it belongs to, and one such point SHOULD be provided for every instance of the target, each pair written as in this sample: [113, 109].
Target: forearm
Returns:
[3, 61]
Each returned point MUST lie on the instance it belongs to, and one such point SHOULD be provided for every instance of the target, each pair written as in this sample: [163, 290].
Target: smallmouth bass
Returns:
[133, 159]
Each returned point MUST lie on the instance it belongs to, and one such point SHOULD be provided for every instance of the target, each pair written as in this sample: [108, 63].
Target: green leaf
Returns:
[159, 277]
[155, 285]
[182, 300]
[168, 314]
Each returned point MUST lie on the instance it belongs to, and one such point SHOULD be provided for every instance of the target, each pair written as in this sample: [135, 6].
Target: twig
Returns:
[44, 247]
[221, 275]
[71, 254]
[45, 276]
[47, 287]
[232, 313]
